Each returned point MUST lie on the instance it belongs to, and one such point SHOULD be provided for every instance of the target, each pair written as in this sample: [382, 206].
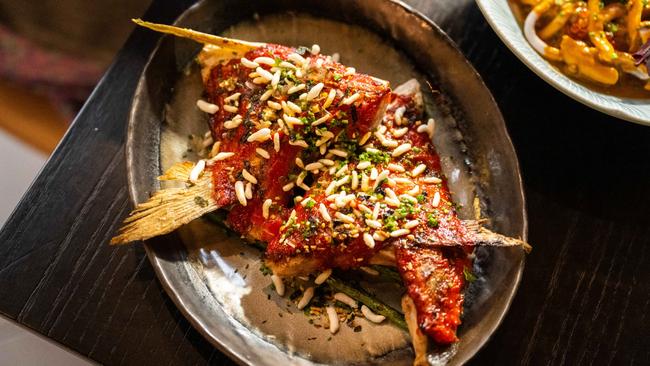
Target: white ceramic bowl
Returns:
[502, 20]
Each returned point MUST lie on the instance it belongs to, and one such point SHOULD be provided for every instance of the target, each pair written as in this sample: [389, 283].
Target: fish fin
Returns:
[205, 38]
[215, 49]
[479, 235]
[178, 171]
[167, 210]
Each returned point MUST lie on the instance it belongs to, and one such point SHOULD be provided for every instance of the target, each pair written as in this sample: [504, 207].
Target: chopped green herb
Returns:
[309, 229]
[611, 27]
[469, 276]
[348, 144]
[339, 122]
[375, 157]
[289, 75]
[432, 220]
[266, 271]
[390, 223]
[406, 208]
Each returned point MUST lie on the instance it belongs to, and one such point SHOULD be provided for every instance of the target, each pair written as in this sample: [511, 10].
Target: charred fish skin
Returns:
[435, 281]
[296, 103]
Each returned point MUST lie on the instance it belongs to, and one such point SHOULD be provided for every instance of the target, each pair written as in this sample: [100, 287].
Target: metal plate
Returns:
[386, 39]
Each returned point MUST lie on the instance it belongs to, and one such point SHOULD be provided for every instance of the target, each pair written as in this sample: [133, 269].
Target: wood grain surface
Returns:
[584, 297]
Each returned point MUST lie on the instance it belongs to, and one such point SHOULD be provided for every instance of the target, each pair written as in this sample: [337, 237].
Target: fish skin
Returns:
[273, 174]
[435, 281]
[432, 275]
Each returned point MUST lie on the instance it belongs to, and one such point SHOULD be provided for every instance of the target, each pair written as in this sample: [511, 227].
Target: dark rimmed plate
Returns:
[384, 38]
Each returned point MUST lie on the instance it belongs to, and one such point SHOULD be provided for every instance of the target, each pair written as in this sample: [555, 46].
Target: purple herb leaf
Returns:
[643, 56]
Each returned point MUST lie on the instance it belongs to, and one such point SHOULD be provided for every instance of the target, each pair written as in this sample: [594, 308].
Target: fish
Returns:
[386, 202]
[270, 106]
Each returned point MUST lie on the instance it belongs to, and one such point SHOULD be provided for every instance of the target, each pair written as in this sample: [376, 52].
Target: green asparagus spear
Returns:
[387, 273]
[366, 299]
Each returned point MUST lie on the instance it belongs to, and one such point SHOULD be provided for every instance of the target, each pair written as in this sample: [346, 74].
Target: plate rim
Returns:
[553, 77]
[157, 263]
[153, 258]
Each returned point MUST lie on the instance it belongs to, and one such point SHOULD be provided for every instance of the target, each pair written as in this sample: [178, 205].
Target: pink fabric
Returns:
[66, 79]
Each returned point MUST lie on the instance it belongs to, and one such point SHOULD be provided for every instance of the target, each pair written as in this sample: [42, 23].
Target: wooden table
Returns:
[586, 287]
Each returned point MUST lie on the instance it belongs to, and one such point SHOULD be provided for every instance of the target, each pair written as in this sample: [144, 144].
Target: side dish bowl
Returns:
[500, 17]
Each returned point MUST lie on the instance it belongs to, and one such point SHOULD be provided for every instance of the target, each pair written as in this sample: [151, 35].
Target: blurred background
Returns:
[52, 54]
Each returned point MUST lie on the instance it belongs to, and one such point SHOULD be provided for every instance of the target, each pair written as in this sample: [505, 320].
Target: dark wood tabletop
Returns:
[585, 293]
